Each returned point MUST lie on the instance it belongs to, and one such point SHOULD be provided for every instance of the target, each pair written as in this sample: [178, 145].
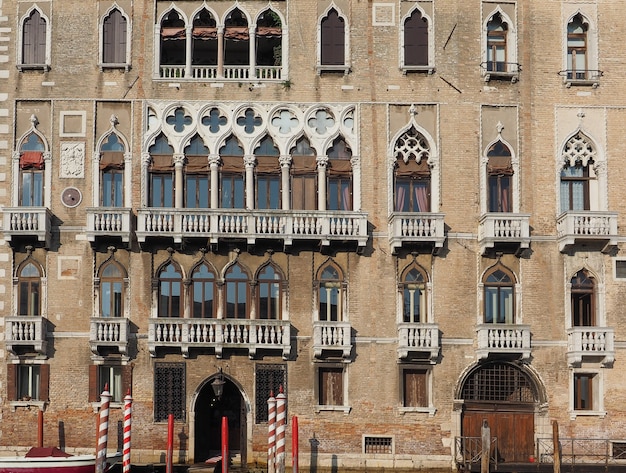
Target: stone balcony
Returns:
[504, 229]
[27, 223]
[332, 337]
[220, 334]
[503, 339]
[109, 332]
[591, 344]
[109, 222]
[26, 334]
[227, 73]
[414, 228]
[286, 225]
[587, 227]
[419, 340]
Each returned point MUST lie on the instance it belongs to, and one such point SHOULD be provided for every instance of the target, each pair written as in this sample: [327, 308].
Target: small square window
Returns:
[28, 382]
[587, 393]
[620, 269]
[330, 386]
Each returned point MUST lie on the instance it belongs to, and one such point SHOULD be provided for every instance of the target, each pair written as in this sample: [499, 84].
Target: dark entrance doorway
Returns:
[208, 422]
[503, 395]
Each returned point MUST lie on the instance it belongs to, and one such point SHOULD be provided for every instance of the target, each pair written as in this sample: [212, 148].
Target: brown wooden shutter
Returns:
[416, 41]
[415, 388]
[333, 40]
[12, 382]
[44, 382]
[331, 387]
[93, 383]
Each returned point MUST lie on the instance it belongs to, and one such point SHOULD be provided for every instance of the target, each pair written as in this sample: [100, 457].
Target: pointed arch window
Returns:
[269, 301]
[232, 185]
[330, 294]
[161, 174]
[333, 40]
[170, 292]
[204, 292]
[236, 39]
[414, 296]
[114, 38]
[32, 171]
[237, 293]
[303, 176]
[29, 290]
[173, 40]
[499, 289]
[583, 300]
[269, 39]
[204, 39]
[268, 175]
[112, 291]
[197, 175]
[34, 40]
[112, 172]
[500, 175]
[577, 173]
[497, 34]
[412, 173]
[577, 48]
[339, 175]
[416, 40]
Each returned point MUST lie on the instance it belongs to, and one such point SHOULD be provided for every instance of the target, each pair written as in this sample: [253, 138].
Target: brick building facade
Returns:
[405, 212]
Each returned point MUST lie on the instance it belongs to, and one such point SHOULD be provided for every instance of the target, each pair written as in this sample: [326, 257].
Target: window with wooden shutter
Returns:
[12, 382]
[333, 39]
[415, 384]
[416, 40]
[34, 39]
[114, 38]
[331, 386]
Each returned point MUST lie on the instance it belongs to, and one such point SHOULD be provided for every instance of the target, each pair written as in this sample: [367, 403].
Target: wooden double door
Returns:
[512, 424]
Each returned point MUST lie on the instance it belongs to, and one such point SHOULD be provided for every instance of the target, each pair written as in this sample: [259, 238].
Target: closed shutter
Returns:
[416, 41]
[333, 40]
[44, 382]
[12, 382]
[331, 387]
[127, 379]
[93, 383]
[40, 45]
[415, 388]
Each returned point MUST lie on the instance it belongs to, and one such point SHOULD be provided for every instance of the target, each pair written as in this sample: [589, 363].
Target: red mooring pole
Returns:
[294, 445]
[271, 433]
[225, 457]
[170, 444]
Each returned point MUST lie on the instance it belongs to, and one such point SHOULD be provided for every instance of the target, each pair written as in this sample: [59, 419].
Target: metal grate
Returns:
[268, 378]
[619, 450]
[500, 382]
[169, 391]
[378, 445]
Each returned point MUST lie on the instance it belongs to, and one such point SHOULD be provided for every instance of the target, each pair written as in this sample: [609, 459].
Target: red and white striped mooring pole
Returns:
[280, 430]
[271, 433]
[103, 429]
[128, 407]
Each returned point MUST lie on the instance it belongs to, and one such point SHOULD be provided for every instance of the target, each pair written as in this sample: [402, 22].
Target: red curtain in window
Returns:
[204, 33]
[111, 160]
[172, 33]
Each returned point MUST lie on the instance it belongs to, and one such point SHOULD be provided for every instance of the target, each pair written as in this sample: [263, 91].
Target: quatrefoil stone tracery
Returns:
[179, 120]
[579, 149]
[322, 121]
[411, 144]
[285, 121]
[214, 120]
[249, 121]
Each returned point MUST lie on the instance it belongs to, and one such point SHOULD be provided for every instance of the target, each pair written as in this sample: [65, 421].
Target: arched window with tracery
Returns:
[170, 300]
[114, 38]
[303, 176]
[577, 173]
[204, 39]
[583, 299]
[499, 294]
[269, 39]
[29, 289]
[237, 293]
[267, 175]
[173, 40]
[339, 176]
[497, 33]
[197, 175]
[236, 39]
[32, 169]
[112, 290]
[331, 294]
[416, 40]
[232, 172]
[204, 292]
[34, 39]
[333, 39]
[161, 173]
[112, 172]
[412, 173]
[413, 287]
[577, 48]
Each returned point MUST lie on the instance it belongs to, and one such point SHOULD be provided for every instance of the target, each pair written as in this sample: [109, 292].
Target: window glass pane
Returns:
[239, 193]
[403, 195]
[506, 305]
[105, 296]
[491, 303]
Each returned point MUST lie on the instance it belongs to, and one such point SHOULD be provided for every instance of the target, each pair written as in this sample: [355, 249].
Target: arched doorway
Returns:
[506, 396]
[209, 411]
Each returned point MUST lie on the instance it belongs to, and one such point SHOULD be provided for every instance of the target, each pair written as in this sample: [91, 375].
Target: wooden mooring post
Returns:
[557, 447]
[485, 434]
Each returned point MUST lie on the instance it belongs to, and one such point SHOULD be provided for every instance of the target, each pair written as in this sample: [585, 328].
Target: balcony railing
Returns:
[590, 343]
[109, 222]
[229, 73]
[574, 227]
[332, 337]
[105, 332]
[503, 339]
[416, 227]
[500, 70]
[216, 224]
[253, 335]
[23, 332]
[418, 338]
[503, 228]
[27, 222]
[585, 77]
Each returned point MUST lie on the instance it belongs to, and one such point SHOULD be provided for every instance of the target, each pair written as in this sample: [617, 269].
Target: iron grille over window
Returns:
[378, 445]
[269, 378]
[169, 391]
[499, 382]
